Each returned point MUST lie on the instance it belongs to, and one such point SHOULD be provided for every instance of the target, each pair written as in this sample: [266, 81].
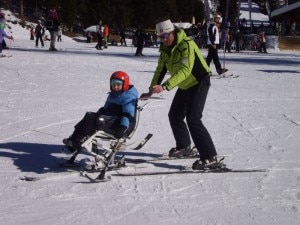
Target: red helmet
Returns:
[120, 75]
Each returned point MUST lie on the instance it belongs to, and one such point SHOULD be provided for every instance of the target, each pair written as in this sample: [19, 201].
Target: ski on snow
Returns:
[95, 180]
[221, 76]
[189, 170]
[5, 56]
[143, 142]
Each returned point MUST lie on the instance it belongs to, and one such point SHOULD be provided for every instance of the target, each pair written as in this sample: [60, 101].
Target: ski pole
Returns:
[224, 59]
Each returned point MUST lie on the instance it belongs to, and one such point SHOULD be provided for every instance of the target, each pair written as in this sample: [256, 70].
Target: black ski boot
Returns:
[208, 164]
[71, 145]
[175, 152]
[221, 71]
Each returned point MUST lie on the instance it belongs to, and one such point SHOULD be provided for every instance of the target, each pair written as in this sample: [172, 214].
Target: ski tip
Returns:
[26, 178]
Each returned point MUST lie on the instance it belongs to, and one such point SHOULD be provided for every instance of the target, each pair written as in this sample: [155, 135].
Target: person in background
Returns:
[53, 29]
[3, 35]
[39, 33]
[237, 37]
[88, 37]
[3, 21]
[140, 38]
[189, 72]
[99, 31]
[123, 37]
[31, 33]
[213, 41]
[228, 41]
[262, 42]
[59, 34]
[105, 35]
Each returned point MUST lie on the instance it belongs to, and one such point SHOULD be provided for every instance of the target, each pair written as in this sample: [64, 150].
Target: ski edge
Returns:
[215, 76]
[143, 142]
[184, 171]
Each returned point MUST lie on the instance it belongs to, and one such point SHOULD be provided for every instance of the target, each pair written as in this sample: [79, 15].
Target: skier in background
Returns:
[53, 18]
[99, 31]
[213, 41]
[140, 38]
[105, 35]
[3, 34]
[39, 33]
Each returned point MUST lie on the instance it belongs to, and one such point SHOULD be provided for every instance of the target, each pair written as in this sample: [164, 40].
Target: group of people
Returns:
[52, 24]
[190, 73]
[102, 32]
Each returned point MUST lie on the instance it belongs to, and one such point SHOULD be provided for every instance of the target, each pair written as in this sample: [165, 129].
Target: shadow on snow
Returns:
[39, 158]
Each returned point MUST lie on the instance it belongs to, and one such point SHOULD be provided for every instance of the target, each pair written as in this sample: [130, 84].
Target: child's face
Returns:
[116, 86]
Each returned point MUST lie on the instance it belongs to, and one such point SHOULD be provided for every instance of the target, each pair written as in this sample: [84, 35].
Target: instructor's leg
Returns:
[199, 133]
[177, 115]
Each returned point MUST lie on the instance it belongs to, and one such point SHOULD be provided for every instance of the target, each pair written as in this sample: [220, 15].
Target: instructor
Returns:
[189, 72]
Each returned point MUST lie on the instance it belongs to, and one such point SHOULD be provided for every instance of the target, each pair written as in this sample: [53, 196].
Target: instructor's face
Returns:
[167, 39]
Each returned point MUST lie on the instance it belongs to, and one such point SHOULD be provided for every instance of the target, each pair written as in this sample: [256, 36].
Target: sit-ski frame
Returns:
[106, 155]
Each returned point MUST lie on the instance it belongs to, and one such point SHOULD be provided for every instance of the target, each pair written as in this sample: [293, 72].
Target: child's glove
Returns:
[120, 131]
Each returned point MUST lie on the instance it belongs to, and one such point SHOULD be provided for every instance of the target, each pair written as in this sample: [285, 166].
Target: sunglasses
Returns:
[164, 36]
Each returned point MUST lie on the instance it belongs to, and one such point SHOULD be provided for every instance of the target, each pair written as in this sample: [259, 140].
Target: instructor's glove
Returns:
[145, 96]
[120, 131]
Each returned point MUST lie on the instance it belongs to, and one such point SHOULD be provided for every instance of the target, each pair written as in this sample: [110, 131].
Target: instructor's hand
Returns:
[157, 89]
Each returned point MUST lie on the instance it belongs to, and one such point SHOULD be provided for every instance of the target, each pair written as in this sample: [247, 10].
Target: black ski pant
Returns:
[262, 48]
[213, 55]
[86, 127]
[100, 41]
[91, 123]
[189, 104]
[139, 50]
[37, 39]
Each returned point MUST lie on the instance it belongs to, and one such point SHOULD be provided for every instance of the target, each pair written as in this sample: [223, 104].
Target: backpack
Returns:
[49, 24]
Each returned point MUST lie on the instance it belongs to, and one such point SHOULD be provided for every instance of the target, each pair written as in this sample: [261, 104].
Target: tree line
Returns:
[117, 13]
